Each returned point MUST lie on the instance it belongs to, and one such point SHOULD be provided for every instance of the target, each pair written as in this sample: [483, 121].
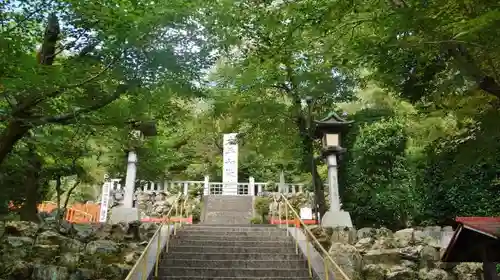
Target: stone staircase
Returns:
[244, 252]
[227, 209]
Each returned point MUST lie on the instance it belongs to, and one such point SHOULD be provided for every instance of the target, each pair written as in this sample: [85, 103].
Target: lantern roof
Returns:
[330, 124]
[148, 128]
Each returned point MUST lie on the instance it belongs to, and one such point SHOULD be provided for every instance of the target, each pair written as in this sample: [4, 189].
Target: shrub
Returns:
[197, 212]
[256, 220]
[261, 206]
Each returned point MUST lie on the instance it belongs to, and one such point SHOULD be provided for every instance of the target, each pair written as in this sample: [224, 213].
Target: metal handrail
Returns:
[299, 222]
[140, 270]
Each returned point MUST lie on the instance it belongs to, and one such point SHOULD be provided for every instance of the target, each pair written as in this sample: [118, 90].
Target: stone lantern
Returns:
[140, 130]
[330, 130]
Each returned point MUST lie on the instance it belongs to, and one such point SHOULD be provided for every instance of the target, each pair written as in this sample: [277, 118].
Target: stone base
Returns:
[126, 215]
[336, 219]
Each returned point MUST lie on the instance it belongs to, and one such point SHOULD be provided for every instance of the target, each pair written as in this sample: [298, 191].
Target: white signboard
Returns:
[230, 163]
[306, 213]
[106, 189]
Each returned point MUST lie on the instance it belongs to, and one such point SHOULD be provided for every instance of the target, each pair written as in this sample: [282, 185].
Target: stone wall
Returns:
[408, 254]
[52, 251]
[297, 200]
[155, 205]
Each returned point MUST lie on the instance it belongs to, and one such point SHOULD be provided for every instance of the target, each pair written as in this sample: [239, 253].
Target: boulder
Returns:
[468, 271]
[364, 244]
[54, 238]
[69, 260]
[20, 269]
[433, 274]
[382, 256]
[49, 272]
[404, 237]
[374, 272]
[21, 228]
[348, 258]
[43, 252]
[401, 273]
[344, 235]
[106, 247]
[84, 232]
[16, 248]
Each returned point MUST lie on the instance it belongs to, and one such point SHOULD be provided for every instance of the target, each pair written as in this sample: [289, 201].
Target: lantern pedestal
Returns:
[335, 219]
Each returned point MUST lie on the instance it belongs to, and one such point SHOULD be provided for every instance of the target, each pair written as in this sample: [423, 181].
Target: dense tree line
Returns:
[420, 80]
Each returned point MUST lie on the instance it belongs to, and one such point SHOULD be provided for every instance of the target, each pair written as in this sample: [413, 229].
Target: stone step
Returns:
[231, 226]
[230, 278]
[235, 228]
[233, 236]
[287, 256]
[231, 250]
[232, 272]
[228, 221]
[235, 263]
[232, 243]
[218, 217]
[230, 213]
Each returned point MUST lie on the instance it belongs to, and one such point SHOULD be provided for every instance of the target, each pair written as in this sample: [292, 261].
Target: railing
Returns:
[72, 214]
[231, 188]
[328, 263]
[158, 244]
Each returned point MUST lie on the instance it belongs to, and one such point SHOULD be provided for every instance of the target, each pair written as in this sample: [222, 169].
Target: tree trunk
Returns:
[14, 131]
[29, 210]
[309, 164]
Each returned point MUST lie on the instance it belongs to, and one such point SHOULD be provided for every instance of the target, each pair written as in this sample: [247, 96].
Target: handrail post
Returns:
[168, 235]
[144, 270]
[297, 225]
[158, 247]
[279, 215]
[327, 273]
[176, 214]
[286, 220]
[308, 259]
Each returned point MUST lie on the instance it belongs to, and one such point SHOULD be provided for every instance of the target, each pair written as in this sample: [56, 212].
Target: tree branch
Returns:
[468, 66]
[66, 118]
[40, 98]
[70, 191]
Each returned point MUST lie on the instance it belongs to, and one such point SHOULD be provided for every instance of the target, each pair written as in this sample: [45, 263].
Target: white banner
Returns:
[106, 189]
[230, 159]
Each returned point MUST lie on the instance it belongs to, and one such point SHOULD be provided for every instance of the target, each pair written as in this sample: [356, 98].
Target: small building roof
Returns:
[331, 123]
[473, 237]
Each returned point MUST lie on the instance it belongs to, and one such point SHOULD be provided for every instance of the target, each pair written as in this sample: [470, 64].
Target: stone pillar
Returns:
[185, 188]
[206, 185]
[282, 184]
[251, 186]
[333, 185]
[259, 188]
[128, 201]
[334, 217]
[165, 186]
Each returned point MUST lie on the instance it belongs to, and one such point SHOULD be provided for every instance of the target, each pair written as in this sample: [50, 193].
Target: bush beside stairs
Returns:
[231, 248]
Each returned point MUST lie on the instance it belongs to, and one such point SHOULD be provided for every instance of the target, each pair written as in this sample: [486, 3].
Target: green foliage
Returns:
[197, 212]
[261, 206]
[257, 220]
[380, 180]
[460, 174]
